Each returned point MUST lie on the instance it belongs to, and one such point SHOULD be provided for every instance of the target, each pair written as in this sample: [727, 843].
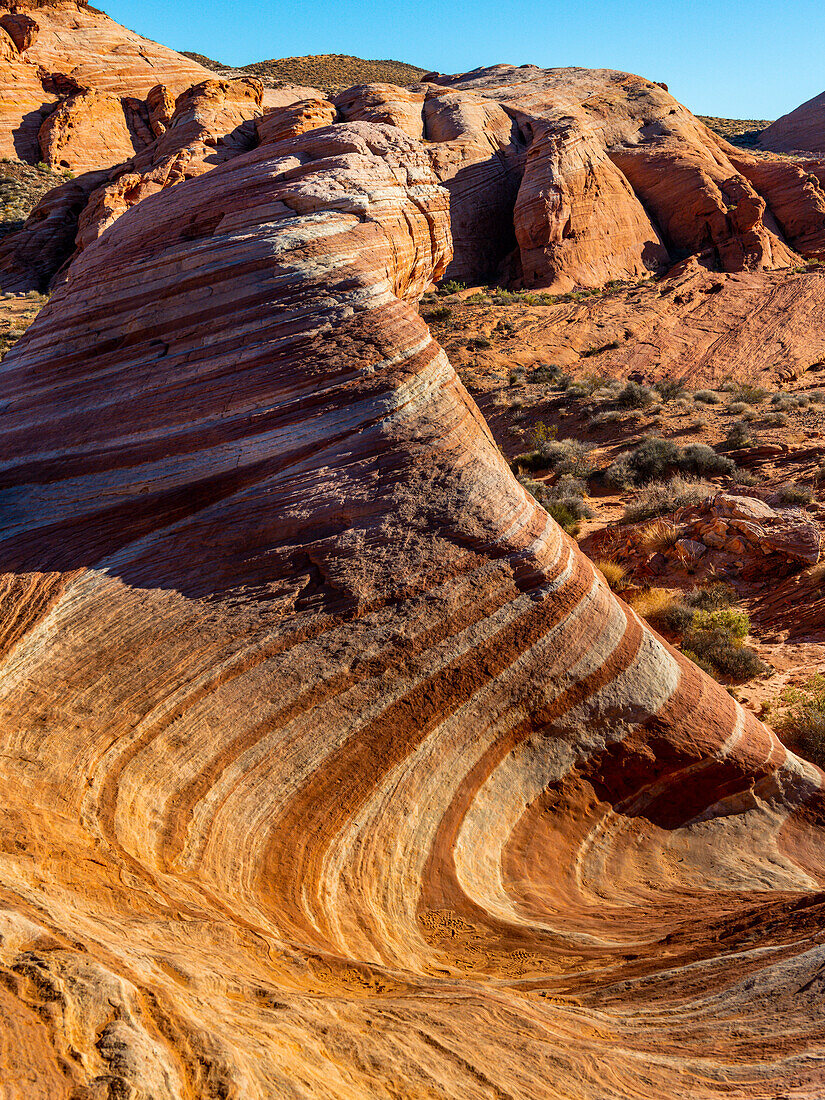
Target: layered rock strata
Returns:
[71, 81]
[331, 767]
[558, 178]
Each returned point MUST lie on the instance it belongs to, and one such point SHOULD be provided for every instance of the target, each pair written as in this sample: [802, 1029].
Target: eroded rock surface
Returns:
[331, 767]
[68, 58]
[558, 178]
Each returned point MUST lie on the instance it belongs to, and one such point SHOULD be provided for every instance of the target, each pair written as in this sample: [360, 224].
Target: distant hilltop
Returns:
[330, 72]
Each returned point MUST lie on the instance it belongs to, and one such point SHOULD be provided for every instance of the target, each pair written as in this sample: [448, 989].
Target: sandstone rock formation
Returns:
[331, 767]
[560, 178]
[210, 123]
[69, 67]
[801, 130]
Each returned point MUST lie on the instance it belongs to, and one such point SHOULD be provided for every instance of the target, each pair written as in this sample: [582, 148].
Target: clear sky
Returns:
[736, 59]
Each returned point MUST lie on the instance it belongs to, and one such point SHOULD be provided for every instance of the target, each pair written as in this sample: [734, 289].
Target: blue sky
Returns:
[730, 58]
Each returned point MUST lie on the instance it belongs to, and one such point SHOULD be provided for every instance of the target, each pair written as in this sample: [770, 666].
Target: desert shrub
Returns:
[702, 461]
[437, 313]
[614, 573]
[635, 396]
[711, 597]
[730, 620]
[736, 408]
[662, 497]
[674, 619]
[657, 536]
[817, 396]
[776, 420]
[569, 456]
[480, 342]
[516, 377]
[747, 394]
[577, 389]
[543, 373]
[564, 500]
[656, 459]
[452, 286]
[609, 416]
[790, 493]
[802, 724]
[669, 388]
[544, 433]
[652, 602]
[707, 397]
[738, 436]
[715, 642]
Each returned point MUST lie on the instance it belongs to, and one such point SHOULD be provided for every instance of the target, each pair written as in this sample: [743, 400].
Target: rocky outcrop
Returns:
[801, 130]
[294, 119]
[331, 767]
[211, 123]
[71, 61]
[727, 534]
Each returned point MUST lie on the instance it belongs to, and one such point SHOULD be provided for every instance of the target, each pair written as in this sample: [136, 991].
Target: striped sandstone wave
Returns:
[331, 767]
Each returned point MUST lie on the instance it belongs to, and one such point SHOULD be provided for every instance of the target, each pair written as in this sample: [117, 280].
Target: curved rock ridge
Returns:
[74, 85]
[561, 178]
[331, 767]
[801, 130]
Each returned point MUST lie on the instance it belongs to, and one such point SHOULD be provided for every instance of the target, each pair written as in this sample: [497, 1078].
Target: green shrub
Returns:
[730, 620]
[544, 373]
[657, 459]
[437, 313]
[452, 286]
[669, 388]
[714, 641]
[711, 597]
[794, 494]
[634, 396]
[802, 725]
[564, 500]
[738, 437]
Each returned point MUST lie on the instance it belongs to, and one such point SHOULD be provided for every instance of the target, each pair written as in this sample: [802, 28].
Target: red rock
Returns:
[20, 28]
[802, 129]
[384, 103]
[87, 130]
[331, 767]
[94, 54]
[282, 123]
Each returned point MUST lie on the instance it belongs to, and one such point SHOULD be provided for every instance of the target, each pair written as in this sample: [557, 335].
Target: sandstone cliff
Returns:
[557, 178]
[331, 767]
[74, 84]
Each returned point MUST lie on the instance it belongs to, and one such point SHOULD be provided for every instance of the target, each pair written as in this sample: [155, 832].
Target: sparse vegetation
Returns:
[707, 397]
[662, 497]
[635, 396]
[657, 459]
[800, 721]
[563, 500]
[331, 72]
[614, 573]
[739, 436]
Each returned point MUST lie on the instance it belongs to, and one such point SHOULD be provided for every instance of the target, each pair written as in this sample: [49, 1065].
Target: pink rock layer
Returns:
[331, 767]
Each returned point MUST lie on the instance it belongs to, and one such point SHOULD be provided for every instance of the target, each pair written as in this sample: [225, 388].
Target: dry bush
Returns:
[614, 573]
